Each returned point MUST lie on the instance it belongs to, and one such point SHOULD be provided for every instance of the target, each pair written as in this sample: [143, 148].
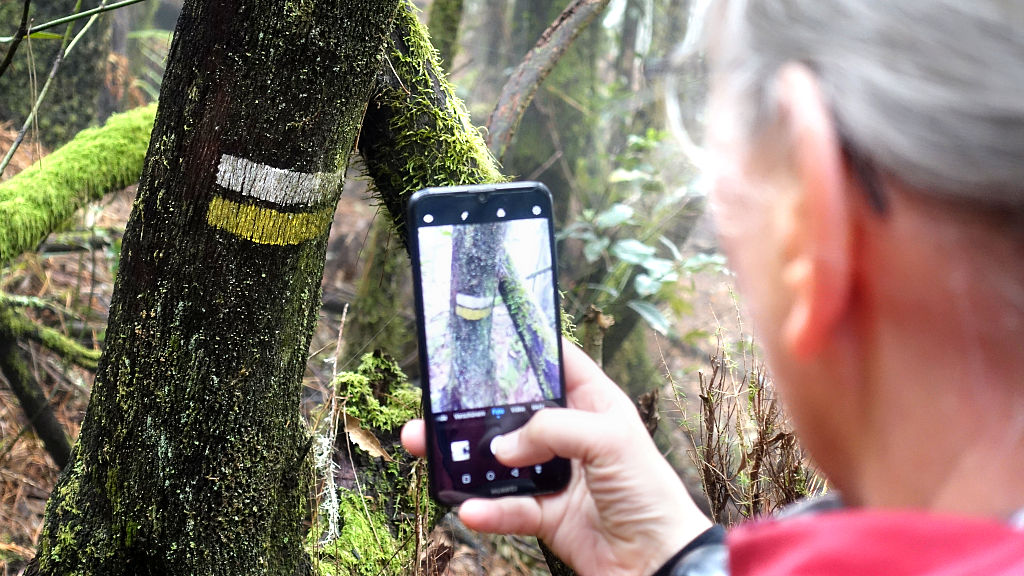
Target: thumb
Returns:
[563, 432]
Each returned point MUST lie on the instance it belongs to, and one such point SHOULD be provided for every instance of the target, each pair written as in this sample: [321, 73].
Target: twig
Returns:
[547, 164]
[72, 18]
[66, 47]
[18, 36]
[594, 326]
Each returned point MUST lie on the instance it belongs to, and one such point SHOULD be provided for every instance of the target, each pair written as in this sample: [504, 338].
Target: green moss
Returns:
[378, 516]
[569, 326]
[38, 200]
[365, 546]
[378, 393]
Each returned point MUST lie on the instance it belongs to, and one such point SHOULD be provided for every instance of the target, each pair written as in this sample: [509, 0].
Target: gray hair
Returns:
[932, 91]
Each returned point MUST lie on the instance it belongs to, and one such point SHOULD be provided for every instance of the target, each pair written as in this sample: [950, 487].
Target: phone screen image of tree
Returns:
[489, 308]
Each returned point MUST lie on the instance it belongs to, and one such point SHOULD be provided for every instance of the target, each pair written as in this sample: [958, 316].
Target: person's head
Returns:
[869, 167]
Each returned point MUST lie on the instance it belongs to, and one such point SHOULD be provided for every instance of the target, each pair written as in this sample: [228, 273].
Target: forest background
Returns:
[635, 246]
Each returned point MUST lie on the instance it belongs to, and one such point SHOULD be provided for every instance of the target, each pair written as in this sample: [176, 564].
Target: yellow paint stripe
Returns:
[266, 226]
[472, 313]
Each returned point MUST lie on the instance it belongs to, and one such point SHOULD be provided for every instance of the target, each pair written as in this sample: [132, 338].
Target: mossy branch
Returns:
[38, 200]
[20, 326]
[532, 328]
[416, 132]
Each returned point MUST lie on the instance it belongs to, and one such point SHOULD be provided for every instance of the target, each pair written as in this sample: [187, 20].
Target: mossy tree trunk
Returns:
[190, 460]
[473, 289]
[416, 133]
[532, 327]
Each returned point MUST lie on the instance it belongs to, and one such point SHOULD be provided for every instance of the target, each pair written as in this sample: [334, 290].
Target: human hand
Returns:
[625, 510]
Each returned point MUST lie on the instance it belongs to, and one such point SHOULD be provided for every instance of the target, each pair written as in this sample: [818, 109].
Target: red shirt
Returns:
[876, 542]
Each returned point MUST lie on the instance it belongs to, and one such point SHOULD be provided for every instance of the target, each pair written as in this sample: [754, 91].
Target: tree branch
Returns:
[18, 36]
[72, 18]
[521, 87]
[33, 401]
[529, 323]
[98, 160]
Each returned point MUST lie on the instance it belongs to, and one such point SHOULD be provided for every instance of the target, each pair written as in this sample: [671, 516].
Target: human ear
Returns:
[817, 262]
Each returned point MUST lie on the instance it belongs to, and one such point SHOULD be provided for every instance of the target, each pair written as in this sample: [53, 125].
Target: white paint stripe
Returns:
[473, 302]
[277, 185]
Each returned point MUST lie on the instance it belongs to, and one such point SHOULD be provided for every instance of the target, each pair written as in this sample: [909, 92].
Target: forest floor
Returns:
[71, 279]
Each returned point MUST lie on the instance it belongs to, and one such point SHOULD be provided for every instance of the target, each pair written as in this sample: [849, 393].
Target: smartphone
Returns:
[488, 317]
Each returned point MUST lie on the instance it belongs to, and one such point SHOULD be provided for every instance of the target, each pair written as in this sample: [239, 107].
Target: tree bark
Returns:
[190, 460]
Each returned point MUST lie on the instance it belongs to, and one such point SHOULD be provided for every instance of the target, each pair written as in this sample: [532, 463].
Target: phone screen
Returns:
[489, 332]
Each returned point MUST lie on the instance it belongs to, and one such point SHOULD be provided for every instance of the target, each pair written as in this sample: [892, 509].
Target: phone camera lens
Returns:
[482, 197]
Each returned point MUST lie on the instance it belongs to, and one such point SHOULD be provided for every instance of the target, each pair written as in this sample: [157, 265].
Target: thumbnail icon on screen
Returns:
[460, 451]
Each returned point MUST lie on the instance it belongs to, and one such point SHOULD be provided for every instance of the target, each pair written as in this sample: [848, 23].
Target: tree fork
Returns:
[190, 459]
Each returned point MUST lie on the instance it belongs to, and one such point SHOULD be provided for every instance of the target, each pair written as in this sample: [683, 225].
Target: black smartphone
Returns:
[487, 311]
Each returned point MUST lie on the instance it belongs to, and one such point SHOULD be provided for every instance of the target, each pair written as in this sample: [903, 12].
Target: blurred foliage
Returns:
[629, 240]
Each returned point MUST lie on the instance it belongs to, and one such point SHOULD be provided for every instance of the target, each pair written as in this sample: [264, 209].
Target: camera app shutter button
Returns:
[493, 440]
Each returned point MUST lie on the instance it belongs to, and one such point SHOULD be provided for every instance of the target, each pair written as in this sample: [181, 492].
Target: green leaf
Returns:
[45, 36]
[654, 318]
[592, 250]
[660, 268]
[645, 285]
[614, 216]
[632, 251]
